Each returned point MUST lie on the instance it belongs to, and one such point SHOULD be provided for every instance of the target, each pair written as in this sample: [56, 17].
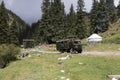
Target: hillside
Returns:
[112, 35]
[22, 26]
[13, 16]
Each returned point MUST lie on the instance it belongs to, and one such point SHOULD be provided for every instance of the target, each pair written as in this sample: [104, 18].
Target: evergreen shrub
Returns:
[8, 53]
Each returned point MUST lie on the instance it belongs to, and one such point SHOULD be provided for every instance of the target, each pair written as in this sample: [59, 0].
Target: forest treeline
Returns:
[12, 29]
[56, 24]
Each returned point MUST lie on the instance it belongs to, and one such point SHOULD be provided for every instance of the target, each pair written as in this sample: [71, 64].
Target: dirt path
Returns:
[83, 53]
[89, 53]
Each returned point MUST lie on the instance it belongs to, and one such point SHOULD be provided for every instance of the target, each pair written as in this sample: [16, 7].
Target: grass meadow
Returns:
[102, 47]
[47, 67]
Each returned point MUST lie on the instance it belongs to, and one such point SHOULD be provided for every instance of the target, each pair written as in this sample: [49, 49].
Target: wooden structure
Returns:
[28, 43]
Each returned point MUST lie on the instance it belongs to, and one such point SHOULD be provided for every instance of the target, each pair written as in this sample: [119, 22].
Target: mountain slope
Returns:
[22, 26]
[12, 28]
[113, 33]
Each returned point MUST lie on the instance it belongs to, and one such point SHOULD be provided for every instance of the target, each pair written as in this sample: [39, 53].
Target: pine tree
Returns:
[57, 16]
[3, 24]
[111, 10]
[103, 16]
[93, 15]
[51, 26]
[118, 10]
[13, 34]
[87, 24]
[80, 24]
[110, 3]
[35, 32]
[71, 22]
[45, 9]
[99, 16]
[45, 22]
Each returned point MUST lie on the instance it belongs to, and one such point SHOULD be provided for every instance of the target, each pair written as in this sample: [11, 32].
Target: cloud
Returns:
[0, 0]
[9, 2]
[30, 10]
[116, 2]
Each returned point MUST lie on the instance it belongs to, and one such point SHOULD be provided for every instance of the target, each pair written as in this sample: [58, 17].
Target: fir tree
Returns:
[118, 10]
[3, 24]
[45, 9]
[45, 22]
[93, 15]
[35, 32]
[51, 26]
[80, 24]
[111, 10]
[103, 16]
[13, 33]
[57, 16]
[71, 22]
[99, 16]
[110, 3]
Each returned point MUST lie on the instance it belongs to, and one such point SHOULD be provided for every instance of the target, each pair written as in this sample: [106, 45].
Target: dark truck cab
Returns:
[69, 45]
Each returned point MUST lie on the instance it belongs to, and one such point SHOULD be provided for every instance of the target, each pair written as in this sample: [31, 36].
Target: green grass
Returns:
[99, 47]
[102, 47]
[47, 67]
[113, 39]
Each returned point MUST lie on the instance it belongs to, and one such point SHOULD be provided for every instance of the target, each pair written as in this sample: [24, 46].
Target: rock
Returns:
[80, 63]
[114, 79]
[67, 79]
[64, 58]
[29, 55]
[62, 77]
[62, 71]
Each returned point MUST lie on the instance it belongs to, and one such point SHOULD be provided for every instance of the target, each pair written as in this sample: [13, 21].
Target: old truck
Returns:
[69, 45]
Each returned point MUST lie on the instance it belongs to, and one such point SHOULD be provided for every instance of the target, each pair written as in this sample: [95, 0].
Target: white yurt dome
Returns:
[94, 38]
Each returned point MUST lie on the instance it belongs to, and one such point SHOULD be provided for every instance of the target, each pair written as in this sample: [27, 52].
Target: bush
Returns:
[8, 53]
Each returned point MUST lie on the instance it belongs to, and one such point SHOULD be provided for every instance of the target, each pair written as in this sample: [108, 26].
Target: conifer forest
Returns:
[56, 24]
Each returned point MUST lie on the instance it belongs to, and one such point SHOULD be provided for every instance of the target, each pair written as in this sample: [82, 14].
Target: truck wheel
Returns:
[68, 51]
[62, 51]
[80, 51]
[2, 64]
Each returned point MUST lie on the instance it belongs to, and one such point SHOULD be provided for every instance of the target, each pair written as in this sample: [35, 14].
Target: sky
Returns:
[30, 10]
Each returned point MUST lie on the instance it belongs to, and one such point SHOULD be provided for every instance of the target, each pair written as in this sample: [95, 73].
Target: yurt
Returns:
[94, 38]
